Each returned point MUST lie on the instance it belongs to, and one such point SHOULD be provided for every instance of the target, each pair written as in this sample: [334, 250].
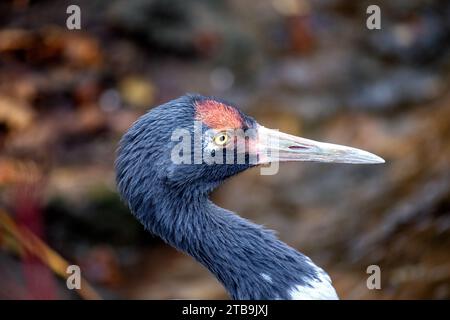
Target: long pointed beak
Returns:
[273, 145]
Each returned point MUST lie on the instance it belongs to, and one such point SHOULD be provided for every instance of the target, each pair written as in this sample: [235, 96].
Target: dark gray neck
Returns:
[247, 259]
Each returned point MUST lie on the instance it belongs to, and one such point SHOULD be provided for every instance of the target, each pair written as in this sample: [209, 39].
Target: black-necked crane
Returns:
[171, 197]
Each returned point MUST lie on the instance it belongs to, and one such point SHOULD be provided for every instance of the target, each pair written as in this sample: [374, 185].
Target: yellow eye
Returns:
[221, 139]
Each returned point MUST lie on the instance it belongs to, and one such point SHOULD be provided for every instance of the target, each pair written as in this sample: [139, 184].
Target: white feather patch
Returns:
[316, 289]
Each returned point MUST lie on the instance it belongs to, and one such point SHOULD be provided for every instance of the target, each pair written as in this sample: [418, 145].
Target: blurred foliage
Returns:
[307, 67]
[24, 242]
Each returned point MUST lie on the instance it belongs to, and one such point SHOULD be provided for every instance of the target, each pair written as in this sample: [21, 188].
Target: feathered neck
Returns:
[247, 259]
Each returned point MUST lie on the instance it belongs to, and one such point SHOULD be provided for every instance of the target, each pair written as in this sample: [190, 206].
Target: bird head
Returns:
[197, 142]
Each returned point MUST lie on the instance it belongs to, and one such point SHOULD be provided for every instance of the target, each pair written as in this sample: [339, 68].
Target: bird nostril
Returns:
[297, 147]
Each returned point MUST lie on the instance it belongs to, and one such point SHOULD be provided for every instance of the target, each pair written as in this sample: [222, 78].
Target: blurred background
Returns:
[310, 68]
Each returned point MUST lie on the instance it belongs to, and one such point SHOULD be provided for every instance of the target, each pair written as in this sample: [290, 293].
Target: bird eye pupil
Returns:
[221, 139]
